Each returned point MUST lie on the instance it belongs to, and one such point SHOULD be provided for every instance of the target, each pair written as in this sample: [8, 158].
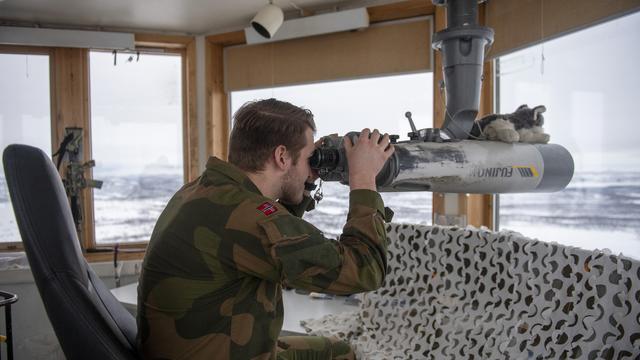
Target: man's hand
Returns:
[366, 158]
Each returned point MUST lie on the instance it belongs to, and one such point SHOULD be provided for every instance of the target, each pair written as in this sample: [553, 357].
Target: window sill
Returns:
[108, 256]
[12, 257]
[14, 268]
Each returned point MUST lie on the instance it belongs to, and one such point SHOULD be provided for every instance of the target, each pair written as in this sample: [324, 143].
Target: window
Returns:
[343, 106]
[588, 82]
[25, 118]
[137, 131]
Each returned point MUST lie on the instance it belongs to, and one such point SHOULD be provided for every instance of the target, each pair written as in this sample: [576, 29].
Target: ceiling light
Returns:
[268, 20]
[313, 25]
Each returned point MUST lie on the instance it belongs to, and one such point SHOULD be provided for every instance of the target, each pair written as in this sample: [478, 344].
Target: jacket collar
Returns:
[232, 172]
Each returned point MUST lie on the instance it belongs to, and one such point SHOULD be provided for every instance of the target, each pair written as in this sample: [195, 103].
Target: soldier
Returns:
[211, 283]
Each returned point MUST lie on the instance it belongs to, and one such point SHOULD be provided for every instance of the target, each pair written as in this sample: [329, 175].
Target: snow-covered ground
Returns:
[626, 242]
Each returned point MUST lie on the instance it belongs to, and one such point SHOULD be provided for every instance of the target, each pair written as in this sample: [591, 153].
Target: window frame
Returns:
[185, 47]
[32, 50]
[92, 247]
[69, 89]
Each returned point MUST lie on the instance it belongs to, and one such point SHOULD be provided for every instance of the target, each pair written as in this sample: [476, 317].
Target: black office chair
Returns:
[89, 322]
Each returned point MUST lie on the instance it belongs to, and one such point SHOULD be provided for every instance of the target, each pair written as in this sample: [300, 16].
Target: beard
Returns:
[292, 189]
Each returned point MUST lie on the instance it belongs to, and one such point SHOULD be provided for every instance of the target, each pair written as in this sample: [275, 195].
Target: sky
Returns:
[343, 106]
[24, 101]
[136, 109]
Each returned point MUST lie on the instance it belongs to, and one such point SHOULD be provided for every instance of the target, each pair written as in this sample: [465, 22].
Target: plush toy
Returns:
[523, 125]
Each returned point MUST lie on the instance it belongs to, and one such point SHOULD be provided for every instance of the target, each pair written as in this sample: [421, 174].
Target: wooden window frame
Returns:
[32, 50]
[478, 208]
[185, 47]
[70, 101]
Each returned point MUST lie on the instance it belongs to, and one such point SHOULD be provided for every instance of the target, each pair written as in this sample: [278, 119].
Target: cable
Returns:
[301, 10]
[453, 121]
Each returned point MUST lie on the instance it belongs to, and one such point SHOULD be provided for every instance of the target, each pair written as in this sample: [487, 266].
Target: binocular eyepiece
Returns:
[324, 158]
[330, 161]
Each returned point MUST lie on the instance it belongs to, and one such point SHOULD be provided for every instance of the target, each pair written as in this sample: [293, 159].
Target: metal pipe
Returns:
[463, 45]
[462, 13]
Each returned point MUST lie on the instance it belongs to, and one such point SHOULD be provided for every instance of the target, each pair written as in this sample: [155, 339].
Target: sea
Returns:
[597, 210]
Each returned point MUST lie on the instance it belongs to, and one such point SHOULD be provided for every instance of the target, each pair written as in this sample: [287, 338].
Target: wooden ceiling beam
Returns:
[400, 10]
[228, 39]
[162, 41]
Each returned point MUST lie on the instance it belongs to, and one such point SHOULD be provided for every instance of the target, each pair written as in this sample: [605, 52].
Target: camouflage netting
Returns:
[476, 294]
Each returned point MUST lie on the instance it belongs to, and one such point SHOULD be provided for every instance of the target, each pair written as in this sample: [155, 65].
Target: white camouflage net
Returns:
[476, 294]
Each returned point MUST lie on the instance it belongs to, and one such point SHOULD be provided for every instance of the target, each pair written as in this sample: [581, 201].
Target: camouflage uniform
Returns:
[211, 283]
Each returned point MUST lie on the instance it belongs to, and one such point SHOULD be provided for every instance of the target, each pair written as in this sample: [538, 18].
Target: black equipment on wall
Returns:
[74, 180]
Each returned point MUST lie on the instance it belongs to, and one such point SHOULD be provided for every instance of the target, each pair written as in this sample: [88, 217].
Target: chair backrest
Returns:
[88, 321]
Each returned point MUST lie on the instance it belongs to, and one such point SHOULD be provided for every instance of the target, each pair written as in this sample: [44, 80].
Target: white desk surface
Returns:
[296, 307]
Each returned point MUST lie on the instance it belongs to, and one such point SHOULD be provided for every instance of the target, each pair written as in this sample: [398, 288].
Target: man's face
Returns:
[294, 178]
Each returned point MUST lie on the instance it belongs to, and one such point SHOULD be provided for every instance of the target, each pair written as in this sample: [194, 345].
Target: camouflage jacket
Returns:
[211, 283]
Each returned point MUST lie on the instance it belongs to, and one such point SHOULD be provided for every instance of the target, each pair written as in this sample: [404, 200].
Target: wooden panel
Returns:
[104, 256]
[217, 119]
[480, 210]
[228, 39]
[487, 90]
[400, 10]
[70, 107]
[381, 50]
[439, 100]
[17, 49]
[190, 128]
[480, 207]
[515, 23]
[163, 41]
[523, 23]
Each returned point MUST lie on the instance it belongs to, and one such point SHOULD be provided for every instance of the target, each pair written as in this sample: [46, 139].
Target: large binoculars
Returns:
[456, 166]
[330, 161]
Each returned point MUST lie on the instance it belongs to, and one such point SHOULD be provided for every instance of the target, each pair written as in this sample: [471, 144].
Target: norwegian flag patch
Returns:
[267, 208]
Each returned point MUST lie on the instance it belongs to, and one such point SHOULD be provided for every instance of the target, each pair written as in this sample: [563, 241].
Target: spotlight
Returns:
[268, 20]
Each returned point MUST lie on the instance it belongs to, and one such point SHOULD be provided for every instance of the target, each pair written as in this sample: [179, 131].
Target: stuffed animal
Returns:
[523, 125]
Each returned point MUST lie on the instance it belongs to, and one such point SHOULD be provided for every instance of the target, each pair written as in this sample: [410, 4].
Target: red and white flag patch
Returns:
[267, 208]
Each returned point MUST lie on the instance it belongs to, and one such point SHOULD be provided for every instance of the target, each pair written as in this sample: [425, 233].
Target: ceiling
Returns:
[165, 16]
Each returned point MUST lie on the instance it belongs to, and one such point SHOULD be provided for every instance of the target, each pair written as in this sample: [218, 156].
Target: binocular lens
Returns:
[324, 159]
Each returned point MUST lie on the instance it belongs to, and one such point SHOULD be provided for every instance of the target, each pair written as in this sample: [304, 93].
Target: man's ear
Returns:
[281, 157]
